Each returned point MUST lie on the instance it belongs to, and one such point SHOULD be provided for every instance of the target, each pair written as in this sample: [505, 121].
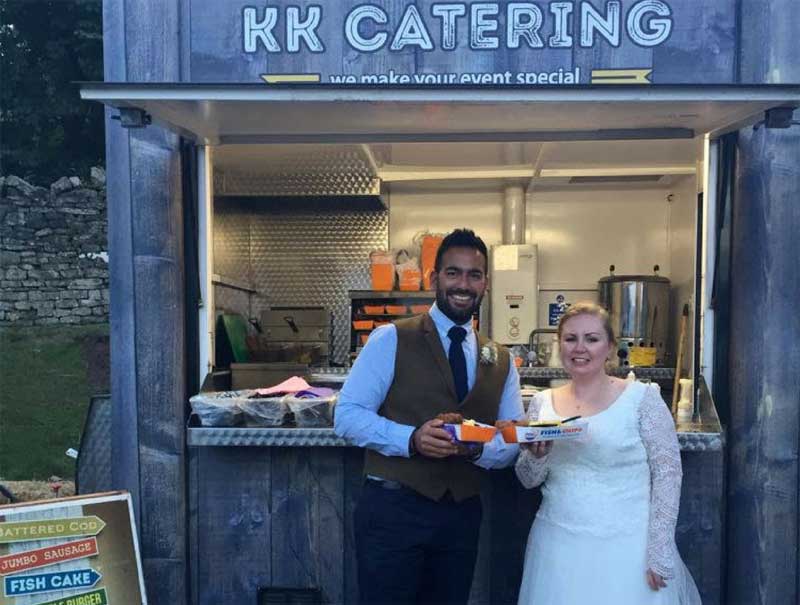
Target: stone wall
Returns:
[53, 259]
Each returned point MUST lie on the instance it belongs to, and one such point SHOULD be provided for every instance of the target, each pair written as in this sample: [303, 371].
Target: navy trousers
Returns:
[411, 549]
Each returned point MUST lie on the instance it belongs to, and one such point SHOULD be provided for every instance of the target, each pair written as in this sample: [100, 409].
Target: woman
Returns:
[605, 532]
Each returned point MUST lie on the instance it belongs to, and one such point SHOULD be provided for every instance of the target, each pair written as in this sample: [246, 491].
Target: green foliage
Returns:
[44, 397]
[46, 131]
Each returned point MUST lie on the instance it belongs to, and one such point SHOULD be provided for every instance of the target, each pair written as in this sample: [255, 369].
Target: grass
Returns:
[44, 396]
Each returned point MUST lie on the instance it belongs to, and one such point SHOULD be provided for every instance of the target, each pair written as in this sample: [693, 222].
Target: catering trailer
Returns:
[257, 154]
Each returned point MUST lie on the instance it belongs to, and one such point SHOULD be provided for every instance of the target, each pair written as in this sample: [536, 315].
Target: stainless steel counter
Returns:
[703, 435]
[690, 441]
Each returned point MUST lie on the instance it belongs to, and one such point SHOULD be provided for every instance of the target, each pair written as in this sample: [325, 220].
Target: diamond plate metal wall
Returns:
[232, 258]
[341, 171]
[301, 252]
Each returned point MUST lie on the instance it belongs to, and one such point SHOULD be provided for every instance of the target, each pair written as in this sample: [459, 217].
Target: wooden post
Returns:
[762, 527]
[146, 253]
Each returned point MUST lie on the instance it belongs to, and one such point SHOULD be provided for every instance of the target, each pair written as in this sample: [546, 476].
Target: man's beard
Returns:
[458, 316]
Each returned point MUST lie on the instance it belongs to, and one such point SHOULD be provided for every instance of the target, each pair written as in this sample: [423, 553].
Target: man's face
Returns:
[460, 283]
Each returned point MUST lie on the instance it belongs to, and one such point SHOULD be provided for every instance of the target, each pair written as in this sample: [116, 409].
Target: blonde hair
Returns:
[586, 307]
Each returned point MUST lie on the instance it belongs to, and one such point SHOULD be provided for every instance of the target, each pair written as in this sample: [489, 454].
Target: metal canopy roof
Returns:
[257, 113]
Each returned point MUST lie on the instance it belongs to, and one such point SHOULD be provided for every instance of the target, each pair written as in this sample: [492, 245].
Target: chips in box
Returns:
[471, 430]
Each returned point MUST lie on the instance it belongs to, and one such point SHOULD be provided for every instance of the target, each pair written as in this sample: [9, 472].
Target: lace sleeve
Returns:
[657, 431]
[531, 471]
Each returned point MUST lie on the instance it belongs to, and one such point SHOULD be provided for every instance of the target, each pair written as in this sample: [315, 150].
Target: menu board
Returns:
[71, 551]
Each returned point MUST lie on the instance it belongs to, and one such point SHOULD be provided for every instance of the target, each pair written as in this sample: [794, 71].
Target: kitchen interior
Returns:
[298, 228]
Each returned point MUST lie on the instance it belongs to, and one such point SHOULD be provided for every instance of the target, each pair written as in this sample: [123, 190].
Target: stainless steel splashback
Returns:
[299, 252]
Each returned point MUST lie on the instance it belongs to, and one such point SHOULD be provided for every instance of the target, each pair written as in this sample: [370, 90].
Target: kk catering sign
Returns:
[70, 551]
[424, 42]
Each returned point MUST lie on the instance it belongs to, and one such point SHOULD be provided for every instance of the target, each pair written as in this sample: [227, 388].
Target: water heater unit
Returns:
[514, 292]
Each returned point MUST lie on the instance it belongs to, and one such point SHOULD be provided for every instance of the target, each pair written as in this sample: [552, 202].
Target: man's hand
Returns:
[433, 441]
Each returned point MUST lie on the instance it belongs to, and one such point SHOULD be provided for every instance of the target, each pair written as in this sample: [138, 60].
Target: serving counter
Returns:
[273, 507]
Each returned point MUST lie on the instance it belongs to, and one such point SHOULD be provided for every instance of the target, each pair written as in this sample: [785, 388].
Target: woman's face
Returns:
[585, 347]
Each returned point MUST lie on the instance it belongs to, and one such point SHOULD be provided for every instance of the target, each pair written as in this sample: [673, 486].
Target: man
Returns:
[417, 522]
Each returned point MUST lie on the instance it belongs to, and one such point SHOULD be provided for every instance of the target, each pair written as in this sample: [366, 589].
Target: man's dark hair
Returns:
[461, 238]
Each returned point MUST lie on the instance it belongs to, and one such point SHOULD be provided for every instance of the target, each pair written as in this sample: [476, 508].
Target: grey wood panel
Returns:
[769, 44]
[702, 46]
[114, 58]
[124, 435]
[764, 419]
[604, 56]
[763, 565]
[235, 524]
[701, 521]
[164, 580]
[193, 522]
[458, 61]
[293, 564]
[513, 511]
[353, 483]
[152, 41]
[124, 420]
[330, 33]
[220, 57]
[296, 486]
[152, 49]
[330, 512]
[307, 540]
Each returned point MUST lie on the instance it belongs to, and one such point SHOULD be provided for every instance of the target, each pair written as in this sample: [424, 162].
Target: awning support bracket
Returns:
[778, 117]
[133, 117]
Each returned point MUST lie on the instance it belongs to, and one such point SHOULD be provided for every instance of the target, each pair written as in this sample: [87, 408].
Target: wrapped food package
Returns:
[217, 409]
[264, 411]
[312, 413]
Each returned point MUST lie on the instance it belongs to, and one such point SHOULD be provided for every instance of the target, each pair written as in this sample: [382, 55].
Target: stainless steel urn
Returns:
[638, 306]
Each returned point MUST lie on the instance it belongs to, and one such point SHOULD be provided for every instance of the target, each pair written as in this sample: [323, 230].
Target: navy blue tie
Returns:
[458, 363]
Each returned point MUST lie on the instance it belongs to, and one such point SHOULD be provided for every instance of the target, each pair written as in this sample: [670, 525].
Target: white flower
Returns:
[489, 353]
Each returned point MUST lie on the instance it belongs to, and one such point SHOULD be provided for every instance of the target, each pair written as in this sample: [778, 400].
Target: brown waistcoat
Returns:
[423, 387]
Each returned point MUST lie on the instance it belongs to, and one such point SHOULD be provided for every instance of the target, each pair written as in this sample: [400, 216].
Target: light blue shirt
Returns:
[357, 418]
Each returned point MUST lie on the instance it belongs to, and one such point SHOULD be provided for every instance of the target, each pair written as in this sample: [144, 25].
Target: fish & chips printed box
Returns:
[559, 432]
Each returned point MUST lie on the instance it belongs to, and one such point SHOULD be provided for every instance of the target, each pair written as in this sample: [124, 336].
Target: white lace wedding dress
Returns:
[609, 508]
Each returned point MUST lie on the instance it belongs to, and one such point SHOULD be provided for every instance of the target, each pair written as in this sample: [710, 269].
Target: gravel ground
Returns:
[25, 491]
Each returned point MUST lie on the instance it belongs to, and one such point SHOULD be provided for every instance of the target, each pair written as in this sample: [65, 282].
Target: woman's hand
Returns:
[539, 449]
[655, 581]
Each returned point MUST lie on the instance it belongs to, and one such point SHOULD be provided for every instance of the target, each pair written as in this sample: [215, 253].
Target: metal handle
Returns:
[290, 320]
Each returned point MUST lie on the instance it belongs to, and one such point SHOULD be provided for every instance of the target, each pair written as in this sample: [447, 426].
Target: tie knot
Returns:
[457, 334]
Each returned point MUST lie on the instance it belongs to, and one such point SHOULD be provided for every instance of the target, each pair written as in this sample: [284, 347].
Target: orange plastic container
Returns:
[417, 309]
[396, 309]
[382, 276]
[374, 309]
[409, 280]
[430, 245]
[363, 324]
[363, 338]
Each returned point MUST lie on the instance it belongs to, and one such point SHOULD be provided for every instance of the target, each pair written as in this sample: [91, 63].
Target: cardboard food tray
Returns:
[471, 433]
[531, 434]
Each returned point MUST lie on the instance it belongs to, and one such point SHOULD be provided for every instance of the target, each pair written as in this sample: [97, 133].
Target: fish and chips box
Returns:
[471, 431]
[545, 432]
